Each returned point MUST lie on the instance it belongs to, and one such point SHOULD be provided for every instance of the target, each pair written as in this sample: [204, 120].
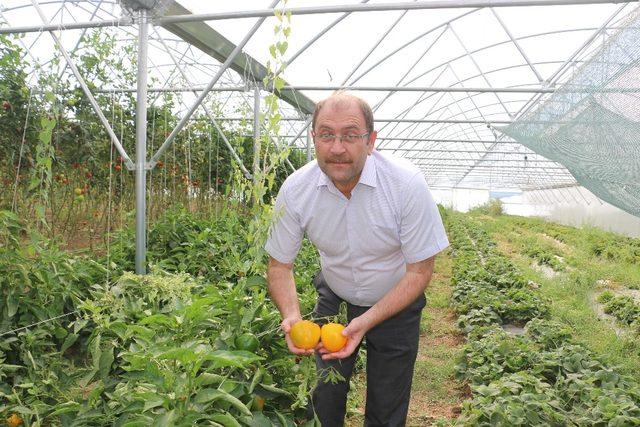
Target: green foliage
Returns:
[547, 333]
[493, 208]
[624, 308]
[488, 288]
[613, 247]
[79, 162]
[15, 105]
[190, 346]
[542, 251]
[540, 378]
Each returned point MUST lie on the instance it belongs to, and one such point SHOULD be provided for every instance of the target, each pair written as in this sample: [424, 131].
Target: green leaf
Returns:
[238, 358]
[284, 420]
[158, 319]
[207, 395]
[106, 360]
[184, 355]
[66, 408]
[207, 378]
[68, 342]
[256, 281]
[269, 390]
[256, 379]
[282, 47]
[12, 305]
[258, 419]
[210, 394]
[226, 419]
[167, 420]
[96, 353]
[152, 400]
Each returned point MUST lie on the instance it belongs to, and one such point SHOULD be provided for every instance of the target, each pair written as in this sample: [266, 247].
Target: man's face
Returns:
[342, 161]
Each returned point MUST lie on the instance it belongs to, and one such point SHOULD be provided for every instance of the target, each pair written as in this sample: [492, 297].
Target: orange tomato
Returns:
[305, 334]
[14, 420]
[331, 336]
[258, 403]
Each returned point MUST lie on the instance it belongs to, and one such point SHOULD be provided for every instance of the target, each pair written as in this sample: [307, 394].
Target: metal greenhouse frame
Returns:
[442, 97]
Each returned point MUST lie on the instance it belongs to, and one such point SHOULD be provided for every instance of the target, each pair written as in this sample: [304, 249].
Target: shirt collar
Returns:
[367, 177]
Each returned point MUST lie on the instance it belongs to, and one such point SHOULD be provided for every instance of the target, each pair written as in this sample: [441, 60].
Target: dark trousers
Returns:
[392, 347]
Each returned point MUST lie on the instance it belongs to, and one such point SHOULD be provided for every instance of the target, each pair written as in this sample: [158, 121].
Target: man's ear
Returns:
[372, 141]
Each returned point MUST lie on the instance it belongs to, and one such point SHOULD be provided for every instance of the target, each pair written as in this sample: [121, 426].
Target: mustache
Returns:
[338, 160]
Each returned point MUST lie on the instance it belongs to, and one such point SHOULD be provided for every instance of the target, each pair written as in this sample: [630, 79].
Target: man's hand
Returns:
[412, 284]
[354, 332]
[286, 327]
[282, 289]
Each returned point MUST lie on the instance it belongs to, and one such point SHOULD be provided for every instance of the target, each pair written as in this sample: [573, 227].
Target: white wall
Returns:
[574, 206]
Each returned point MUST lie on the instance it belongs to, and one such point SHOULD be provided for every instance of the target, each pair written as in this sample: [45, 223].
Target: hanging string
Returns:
[38, 323]
[110, 193]
[209, 150]
[24, 137]
[173, 165]
[120, 175]
[187, 161]
[153, 137]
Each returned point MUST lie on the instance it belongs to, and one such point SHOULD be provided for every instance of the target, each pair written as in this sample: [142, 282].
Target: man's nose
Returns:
[337, 147]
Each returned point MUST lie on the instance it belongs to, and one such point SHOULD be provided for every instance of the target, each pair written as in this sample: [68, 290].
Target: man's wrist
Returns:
[291, 315]
[370, 317]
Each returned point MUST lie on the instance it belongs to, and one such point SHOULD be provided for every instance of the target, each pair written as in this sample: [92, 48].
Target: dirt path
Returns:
[435, 393]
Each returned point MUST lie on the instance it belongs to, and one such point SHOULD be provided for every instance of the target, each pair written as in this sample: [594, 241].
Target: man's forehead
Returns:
[341, 104]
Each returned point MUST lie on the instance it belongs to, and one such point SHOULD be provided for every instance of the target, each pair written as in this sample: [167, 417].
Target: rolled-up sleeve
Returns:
[286, 233]
[422, 234]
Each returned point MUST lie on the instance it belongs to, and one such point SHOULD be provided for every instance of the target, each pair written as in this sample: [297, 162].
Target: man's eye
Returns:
[326, 136]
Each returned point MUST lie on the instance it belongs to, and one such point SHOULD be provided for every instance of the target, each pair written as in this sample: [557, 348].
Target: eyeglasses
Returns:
[328, 138]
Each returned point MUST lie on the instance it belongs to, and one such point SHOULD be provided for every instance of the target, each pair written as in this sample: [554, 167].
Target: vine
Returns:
[268, 153]
[41, 178]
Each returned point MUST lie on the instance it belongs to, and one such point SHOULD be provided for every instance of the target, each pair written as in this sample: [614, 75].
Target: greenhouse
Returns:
[147, 150]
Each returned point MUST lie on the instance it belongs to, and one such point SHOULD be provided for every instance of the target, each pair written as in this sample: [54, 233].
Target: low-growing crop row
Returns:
[623, 307]
[538, 378]
[543, 253]
[488, 288]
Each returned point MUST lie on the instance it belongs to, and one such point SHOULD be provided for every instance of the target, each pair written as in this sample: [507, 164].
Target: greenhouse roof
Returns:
[445, 78]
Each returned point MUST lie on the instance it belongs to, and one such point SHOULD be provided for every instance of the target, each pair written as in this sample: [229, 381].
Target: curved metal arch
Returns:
[497, 70]
[493, 45]
[454, 135]
[463, 112]
[48, 2]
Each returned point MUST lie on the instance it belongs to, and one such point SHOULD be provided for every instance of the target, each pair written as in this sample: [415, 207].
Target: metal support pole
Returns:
[256, 137]
[377, 7]
[309, 144]
[473, 60]
[66, 26]
[141, 144]
[517, 45]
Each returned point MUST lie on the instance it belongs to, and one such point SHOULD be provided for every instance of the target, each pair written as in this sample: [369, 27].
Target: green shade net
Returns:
[591, 125]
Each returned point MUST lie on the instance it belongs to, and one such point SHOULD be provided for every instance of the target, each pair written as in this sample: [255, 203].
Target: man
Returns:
[377, 230]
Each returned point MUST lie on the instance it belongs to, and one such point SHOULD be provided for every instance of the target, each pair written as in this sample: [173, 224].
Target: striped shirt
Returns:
[366, 241]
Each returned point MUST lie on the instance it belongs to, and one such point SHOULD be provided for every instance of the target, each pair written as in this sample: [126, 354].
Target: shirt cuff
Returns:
[277, 255]
[427, 253]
